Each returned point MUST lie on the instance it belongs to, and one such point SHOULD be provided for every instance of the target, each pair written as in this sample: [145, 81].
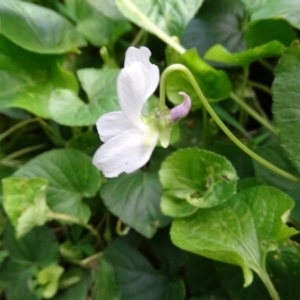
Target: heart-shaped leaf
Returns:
[241, 231]
[208, 27]
[193, 179]
[100, 86]
[135, 198]
[70, 175]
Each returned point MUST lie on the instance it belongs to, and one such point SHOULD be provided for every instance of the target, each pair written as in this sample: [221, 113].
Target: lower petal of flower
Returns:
[125, 152]
[112, 124]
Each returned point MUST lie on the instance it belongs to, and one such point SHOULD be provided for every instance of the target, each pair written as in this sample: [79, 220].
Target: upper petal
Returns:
[136, 83]
[111, 124]
[123, 153]
[141, 55]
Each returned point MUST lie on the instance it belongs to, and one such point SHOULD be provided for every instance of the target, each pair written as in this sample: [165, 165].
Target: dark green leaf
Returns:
[37, 29]
[77, 291]
[232, 279]
[284, 266]
[218, 22]
[136, 277]
[275, 155]
[265, 31]
[135, 199]
[105, 287]
[38, 249]
[71, 176]
[286, 107]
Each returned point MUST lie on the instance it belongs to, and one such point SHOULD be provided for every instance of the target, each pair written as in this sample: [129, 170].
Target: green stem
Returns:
[16, 127]
[86, 262]
[63, 217]
[267, 164]
[243, 115]
[153, 28]
[269, 285]
[253, 113]
[267, 65]
[260, 86]
[138, 38]
[22, 152]
[205, 128]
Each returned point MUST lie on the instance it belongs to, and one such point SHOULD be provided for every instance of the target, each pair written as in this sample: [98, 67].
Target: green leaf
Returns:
[214, 84]
[232, 279]
[275, 155]
[38, 249]
[265, 31]
[27, 79]
[208, 27]
[108, 8]
[241, 231]
[93, 23]
[193, 179]
[286, 106]
[38, 29]
[24, 201]
[244, 59]
[105, 287]
[70, 175]
[49, 277]
[284, 266]
[201, 275]
[137, 278]
[288, 10]
[169, 16]
[87, 142]
[77, 291]
[135, 199]
[241, 161]
[100, 86]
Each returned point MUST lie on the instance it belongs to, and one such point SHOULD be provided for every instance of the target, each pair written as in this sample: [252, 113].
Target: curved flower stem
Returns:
[253, 113]
[64, 217]
[186, 71]
[153, 28]
[16, 127]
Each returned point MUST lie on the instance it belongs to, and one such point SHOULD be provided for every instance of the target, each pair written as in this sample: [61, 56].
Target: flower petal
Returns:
[136, 83]
[111, 124]
[123, 153]
[141, 55]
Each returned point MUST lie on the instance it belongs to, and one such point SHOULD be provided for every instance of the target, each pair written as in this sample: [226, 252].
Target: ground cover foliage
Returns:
[213, 216]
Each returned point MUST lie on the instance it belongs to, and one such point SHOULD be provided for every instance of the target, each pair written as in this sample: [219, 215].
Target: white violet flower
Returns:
[129, 138]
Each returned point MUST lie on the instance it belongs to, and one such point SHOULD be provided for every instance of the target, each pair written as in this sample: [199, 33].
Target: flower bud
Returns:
[180, 111]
